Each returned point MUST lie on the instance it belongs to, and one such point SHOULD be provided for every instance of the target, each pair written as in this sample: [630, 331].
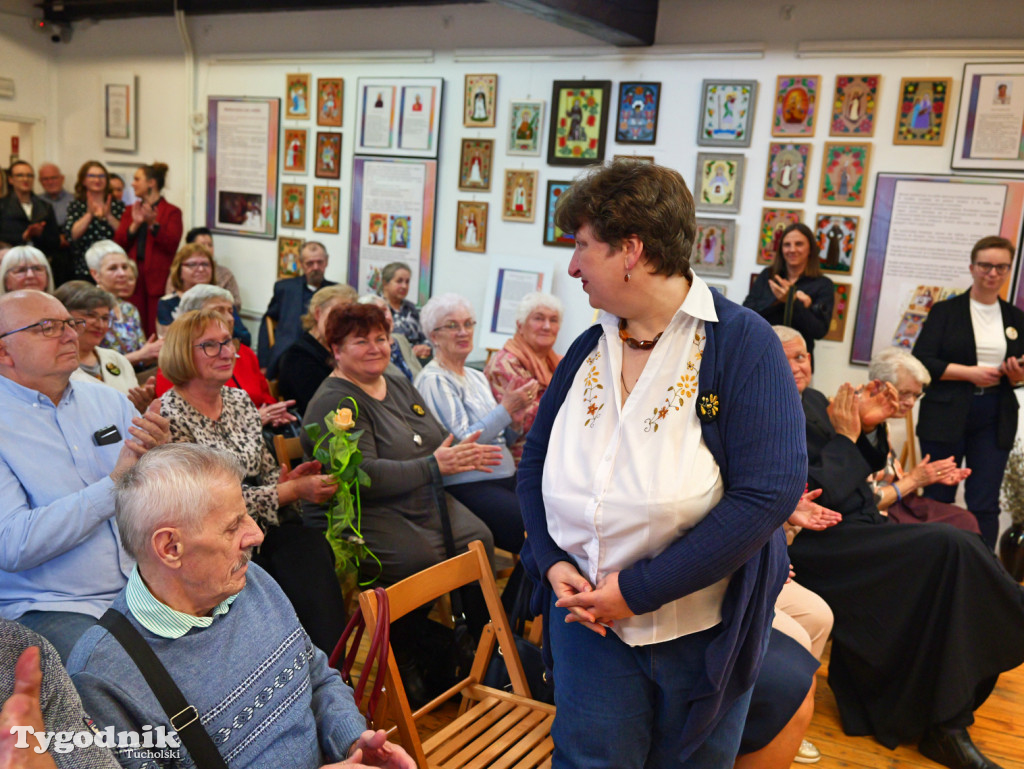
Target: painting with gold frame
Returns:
[475, 164]
[296, 102]
[481, 101]
[293, 205]
[796, 105]
[471, 227]
[288, 257]
[923, 109]
[326, 203]
[330, 92]
[519, 200]
[579, 122]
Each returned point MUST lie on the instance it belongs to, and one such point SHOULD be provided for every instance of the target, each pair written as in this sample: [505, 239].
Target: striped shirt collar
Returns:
[161, 619]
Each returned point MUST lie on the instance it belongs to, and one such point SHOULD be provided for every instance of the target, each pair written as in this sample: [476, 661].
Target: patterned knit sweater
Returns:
[264, 693]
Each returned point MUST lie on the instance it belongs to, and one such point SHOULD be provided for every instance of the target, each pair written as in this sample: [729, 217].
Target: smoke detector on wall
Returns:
[59, 32]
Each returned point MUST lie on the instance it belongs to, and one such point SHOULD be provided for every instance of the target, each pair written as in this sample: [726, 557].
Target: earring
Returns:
[626, 277]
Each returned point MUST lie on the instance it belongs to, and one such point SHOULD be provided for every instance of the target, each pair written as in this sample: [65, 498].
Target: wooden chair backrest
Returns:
[271, 328]
[287, 450]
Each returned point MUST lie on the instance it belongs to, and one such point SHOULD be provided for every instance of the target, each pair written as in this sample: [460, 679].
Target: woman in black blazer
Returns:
[972, 345]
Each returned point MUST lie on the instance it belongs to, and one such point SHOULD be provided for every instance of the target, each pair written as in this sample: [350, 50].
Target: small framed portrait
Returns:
[288, 257]
[637, 158]
[853, 107]
[714, 247]
[297, 96]
[844, 174]
[471, 227]
[579, 122]
[398, 230]
[519, 201]
[328, 155]
[796, 105]
[727, 113]
[837, 238]
[326, 202]
[719, 182]
[378, 230]
[840, 312]
[786, 176]
[480, 101]
[637, 118]
[293, 205]
[475, 165]
[922, 111]
[525, 124]
[295, 150]
[553, 236]
[773, 222]
[329, 93]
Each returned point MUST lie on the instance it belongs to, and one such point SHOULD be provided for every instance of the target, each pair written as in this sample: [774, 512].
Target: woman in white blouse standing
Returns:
[663, 460]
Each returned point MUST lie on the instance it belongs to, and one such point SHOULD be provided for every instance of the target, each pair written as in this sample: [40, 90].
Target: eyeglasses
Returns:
[94, 176]
[453, 326]
[213, 349]
[23, 176]
[26, 268]
[913, 397]
[986, 267]
[202, 265]
[52, 328]
[97, 317]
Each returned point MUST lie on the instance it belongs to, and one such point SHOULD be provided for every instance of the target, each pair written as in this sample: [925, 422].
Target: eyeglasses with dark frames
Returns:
[51, 328]
[212, 349]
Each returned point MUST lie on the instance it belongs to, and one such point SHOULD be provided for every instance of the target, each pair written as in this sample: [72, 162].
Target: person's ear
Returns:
[633, 251]
[168, 547]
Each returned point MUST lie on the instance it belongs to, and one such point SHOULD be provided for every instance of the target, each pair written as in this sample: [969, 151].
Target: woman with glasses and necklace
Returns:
[93, 215]
[198, 357]
[462, 401]
[972, 346]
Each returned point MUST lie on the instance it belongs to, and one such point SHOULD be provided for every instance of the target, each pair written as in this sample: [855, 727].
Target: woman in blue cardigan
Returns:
[665, 456]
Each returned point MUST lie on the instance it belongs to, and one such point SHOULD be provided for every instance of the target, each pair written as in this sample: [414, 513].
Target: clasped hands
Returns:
[596, 608]
[856, 410]
[466, 455]
[780, 288]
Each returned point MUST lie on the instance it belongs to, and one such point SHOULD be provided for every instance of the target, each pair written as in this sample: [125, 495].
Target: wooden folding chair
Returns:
[494, 729]
[287, 450]
[271, 329]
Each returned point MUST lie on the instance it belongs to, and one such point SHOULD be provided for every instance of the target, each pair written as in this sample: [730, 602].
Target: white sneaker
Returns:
[808, 754]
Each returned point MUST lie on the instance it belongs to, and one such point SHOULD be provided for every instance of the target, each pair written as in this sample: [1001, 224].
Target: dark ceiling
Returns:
[620, 22]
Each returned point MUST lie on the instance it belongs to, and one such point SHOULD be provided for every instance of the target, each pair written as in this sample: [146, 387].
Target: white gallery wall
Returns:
[250, 55]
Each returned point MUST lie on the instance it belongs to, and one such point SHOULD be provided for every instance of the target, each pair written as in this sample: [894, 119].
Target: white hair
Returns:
[19, 255]
[99, 250]
[887, 365]
[535, 301]
[787, 334]
[380, 301]
[200, 294]
[440, 307]
[169, 486]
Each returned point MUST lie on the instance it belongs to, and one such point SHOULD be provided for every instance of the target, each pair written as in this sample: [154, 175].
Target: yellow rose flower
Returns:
[343, 419]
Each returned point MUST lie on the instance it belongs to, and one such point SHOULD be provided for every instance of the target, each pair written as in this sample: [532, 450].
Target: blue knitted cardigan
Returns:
[760, 445]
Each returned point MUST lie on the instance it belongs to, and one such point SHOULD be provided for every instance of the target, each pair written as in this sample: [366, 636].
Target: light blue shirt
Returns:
[159, 618]
[463, 405]
[59, 546]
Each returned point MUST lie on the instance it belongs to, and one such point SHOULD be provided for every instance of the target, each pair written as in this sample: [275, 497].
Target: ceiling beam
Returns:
[620, 23]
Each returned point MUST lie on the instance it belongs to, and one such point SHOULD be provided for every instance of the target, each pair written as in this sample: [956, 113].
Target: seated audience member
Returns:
[25, 218]
[36, 692]
[92, 216]
[461, 399]
[222, 276]
[925, 617]
[93, 306]
[403, 360]
[116, 274]
[896, 490]
[289, 303]
[247, 375]
[272, 700]
[60, 561]
[193, 265]
[527, 356]
[394, 289]
[307, 363]
[198, 358]
[25, 267]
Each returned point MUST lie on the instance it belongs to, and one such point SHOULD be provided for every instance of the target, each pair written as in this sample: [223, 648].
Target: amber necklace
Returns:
[636, 344]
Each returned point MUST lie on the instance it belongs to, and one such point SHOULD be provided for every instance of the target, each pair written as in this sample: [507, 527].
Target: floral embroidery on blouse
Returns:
[680, 392]
[591, 384]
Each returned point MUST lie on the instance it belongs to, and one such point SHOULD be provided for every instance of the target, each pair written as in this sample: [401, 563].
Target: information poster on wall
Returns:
[510, 279]
[392, 221]
[399, 116]
[241, 166]
[918, 252]
[990, 124]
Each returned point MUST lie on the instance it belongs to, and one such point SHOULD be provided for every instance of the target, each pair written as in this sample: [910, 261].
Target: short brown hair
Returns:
[630, 197]
[83, 296]
[359, 319]
[177, 355]
[186, 252]
[339, 291]
[83, 171]
[992, 241]
[813, 268]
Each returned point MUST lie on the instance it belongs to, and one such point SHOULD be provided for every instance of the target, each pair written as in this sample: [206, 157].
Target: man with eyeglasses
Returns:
[65, 444]
[972, 346]
[289, 303]
[25, 218]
